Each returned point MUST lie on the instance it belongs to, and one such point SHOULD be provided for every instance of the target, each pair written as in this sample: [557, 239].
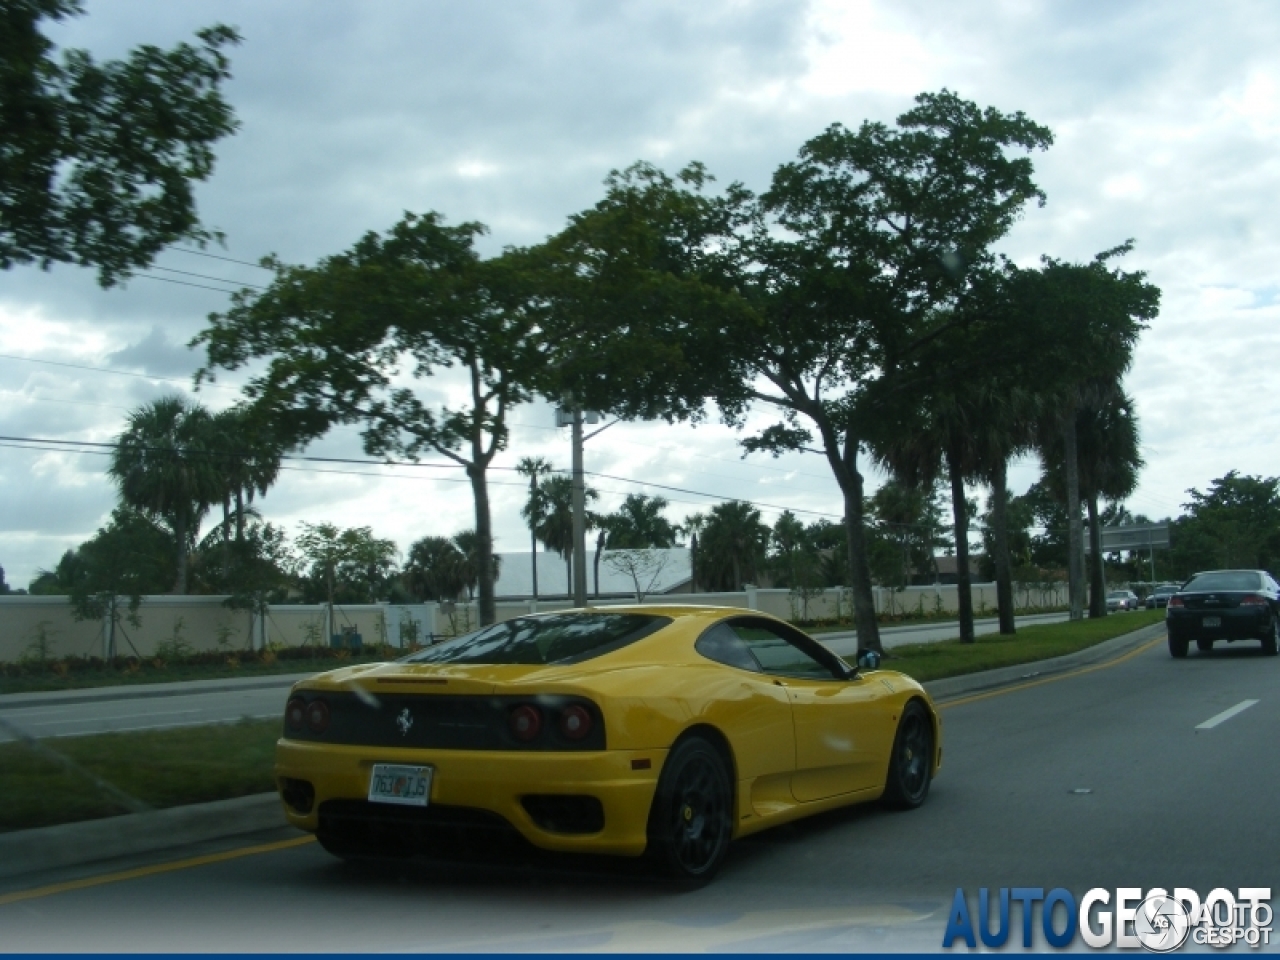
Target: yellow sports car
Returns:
[659, 730]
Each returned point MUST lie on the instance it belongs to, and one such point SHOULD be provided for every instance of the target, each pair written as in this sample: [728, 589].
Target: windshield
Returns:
[553, 638]
[1224, 580]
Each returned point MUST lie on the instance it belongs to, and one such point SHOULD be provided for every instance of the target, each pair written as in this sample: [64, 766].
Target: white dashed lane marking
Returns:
[1226, 715]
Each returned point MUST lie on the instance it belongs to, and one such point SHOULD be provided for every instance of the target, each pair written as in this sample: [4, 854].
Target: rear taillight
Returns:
[317, 716]
[1175, 602]
[295, 714]
[525, 722]
[575, 722]
[1253, 600]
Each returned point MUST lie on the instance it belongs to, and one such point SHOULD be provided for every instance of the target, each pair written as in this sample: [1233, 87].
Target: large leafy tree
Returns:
[824, 283]
[165, 465]
[1233, 523]
[98, 160]
[345, 563]
[107, 576]
[341, 338]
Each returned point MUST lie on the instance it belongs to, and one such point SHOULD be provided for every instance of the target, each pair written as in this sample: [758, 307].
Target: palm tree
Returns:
[531, 467]
[957, 427]
[468, 544]
[733, 544]
[551, 516]
[639, 524]
[1107, 462]
[163, 465]
[433, 569]
[247, 460]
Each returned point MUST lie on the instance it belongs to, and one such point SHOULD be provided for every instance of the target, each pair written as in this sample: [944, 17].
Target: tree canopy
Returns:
[98, 160]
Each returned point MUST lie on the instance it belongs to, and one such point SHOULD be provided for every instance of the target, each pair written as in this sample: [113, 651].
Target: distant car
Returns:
[1122, 600]
[1158, 599]
[1225, 605]
[624, 730]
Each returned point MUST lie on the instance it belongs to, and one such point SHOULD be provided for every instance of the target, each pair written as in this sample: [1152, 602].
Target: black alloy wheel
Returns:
[690, 823]
[911, 766]
[1204, 644]
[1271, 642]
[1177, 646]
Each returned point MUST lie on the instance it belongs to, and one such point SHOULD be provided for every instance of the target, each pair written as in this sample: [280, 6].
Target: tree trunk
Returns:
[693, 563]
[845, 466]
[484, 542]
[964, 588]
[226, 537]
[600, 537]
[1097, 575]
[1000, 541]
[1075, 526]
[239, 514]
[533, 531]
[180, 534]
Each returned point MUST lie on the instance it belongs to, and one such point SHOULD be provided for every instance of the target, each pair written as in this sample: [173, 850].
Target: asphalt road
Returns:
[1115, 775]
[223, 701]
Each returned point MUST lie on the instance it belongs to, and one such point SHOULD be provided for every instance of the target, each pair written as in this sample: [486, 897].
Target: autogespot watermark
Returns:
[1126, 918]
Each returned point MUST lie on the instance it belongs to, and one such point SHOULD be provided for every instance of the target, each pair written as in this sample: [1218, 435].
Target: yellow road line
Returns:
[151, 870]
[1061, 676]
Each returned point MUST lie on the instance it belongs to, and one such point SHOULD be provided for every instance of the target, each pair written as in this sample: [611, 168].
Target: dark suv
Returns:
[1225, 605]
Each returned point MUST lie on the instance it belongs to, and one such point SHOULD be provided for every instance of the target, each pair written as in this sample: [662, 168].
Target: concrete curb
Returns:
[951, 688]
[75, 844]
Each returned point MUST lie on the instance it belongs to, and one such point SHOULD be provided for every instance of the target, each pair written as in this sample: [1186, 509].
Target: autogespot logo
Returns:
[1156, 920]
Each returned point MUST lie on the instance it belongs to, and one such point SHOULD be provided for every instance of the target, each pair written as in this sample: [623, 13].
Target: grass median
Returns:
[951, 658]
[165, 768]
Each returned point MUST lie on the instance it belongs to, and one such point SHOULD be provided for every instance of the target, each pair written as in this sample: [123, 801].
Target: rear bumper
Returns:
[474, 791]
[1234, 624]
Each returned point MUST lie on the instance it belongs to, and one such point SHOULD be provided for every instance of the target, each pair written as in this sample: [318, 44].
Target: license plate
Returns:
[1212, 621]
[397, 783]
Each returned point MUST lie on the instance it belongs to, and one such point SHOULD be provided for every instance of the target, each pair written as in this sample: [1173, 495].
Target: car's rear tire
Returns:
[1204, 644]
[1271, 643]
[1177, 646]
[911, 764]
[691, 820]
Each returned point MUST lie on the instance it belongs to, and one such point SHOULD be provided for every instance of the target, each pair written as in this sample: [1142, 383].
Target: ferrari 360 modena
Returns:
[664, 731]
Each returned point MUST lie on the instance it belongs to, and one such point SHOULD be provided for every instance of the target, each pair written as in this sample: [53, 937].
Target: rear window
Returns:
[1224, 580]
[553, 638]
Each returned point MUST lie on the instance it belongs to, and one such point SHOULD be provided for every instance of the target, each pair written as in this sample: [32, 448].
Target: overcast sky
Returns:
[1166, 117]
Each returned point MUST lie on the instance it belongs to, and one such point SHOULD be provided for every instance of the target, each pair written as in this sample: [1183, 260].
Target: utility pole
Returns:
[579, 515]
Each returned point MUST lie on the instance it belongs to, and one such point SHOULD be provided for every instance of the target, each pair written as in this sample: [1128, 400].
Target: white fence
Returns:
[204, 623]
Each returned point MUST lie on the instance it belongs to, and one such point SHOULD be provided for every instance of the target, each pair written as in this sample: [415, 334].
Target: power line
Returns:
[183, 283]
[205, 276]
[118, 373]
[214, 256]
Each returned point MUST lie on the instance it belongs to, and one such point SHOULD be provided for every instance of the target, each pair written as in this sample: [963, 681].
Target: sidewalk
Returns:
[133, 691]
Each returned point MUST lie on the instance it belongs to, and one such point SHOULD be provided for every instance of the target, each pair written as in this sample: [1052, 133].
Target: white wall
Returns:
[204, 623]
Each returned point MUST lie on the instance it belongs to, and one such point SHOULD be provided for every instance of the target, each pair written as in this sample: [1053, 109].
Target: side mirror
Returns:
[868, 660]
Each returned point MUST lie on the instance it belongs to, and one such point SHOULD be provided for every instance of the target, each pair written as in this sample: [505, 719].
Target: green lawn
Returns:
[167, 768]
[161, 768]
